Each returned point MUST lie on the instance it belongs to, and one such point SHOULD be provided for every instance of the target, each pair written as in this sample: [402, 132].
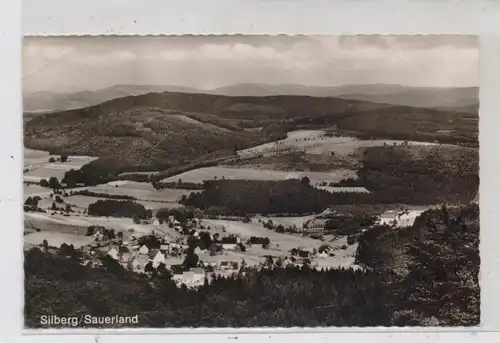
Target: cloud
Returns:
[69, 63]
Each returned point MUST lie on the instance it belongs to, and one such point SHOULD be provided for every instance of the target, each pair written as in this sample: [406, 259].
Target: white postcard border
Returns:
[248, 17]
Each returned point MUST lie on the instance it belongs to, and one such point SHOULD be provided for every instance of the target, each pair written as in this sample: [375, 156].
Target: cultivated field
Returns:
[211, 173]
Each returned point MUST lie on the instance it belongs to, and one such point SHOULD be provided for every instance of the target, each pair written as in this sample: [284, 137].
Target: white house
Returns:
[165, 247]
[113, 252]
[229, 246]
[144, 250]
[157, 259]
[138, 263]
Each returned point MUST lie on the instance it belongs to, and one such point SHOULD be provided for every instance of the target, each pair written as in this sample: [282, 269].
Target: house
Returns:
[156, 222]
[231, 247]
[144, 250]
[197, 250]
[86, 249]
[190, 279]
[113, 253]
[303, 253]
[125, 257]
[316, 224]
[165, 247]
[229, 265]
[158, 258]
[138, 263]
[197, 270]
[103, 249]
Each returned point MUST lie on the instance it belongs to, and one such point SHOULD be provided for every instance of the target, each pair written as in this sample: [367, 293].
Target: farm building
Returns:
[144, 250]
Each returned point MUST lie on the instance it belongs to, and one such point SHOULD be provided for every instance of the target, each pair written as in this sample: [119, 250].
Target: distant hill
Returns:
[172, 129]
[458, 99]
[454, 99]
[48, 101]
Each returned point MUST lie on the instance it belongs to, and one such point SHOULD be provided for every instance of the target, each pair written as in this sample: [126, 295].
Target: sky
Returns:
[72, 63]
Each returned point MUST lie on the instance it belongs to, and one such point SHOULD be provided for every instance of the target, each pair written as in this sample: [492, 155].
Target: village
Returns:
[197, 256]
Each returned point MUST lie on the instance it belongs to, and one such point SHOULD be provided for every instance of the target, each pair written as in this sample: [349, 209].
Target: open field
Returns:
[83, 202]
[32, 190]
[38, 165]
[209, 173]
[141, 191]
[315, 142]
[78, 225]
[278, 240]
[55, 239]
[287, 221]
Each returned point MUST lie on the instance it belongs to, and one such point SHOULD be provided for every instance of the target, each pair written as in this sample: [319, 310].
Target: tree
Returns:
[265, 243]
[305, 180]
[64, 158]
[53, 207]
[269, 261]
[45, 245]
[59, 199]
[54, 183]
[68, 208]
[44, 183]
[52, 160]
[191, 260]
[149, 269]
[90, 230]
[192, 242]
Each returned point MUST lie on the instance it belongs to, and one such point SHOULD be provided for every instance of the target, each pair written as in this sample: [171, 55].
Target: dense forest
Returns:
[403, 174]
[251, 196]
[436, 284]
[114, 208]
